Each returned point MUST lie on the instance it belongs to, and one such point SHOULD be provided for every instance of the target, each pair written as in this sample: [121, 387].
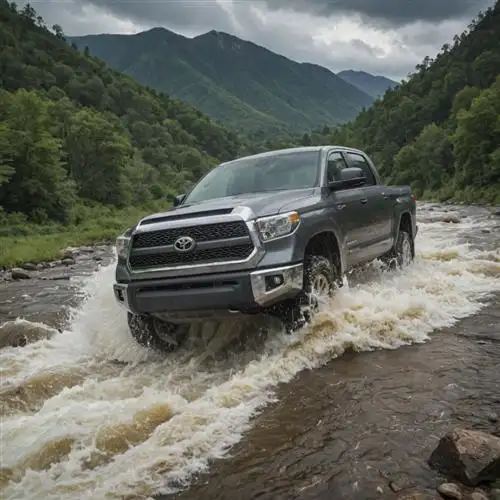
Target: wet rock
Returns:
[478, 495]
[450, 490]
[415, 496]
[470, 456]
[449, 219]
[497, 213]
[29, 266]
[97, 258]
[493, 417]
[19, 274]
[86, 250]
[486, 231]
[68, 261]
[59, 277]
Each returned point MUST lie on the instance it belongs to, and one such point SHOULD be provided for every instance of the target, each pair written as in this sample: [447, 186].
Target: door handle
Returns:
[364, 201]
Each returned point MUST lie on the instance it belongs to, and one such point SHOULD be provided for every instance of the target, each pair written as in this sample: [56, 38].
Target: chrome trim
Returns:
[293, 280]
[238, 214]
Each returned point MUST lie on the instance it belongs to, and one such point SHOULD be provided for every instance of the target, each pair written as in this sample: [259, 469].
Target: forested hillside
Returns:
[231, 80]
[75, 133]
[440, 130]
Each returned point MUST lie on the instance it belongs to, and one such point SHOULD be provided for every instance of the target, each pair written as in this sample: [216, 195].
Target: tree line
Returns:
[75, 133]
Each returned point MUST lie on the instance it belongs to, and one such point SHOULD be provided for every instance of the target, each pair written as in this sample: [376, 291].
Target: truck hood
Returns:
[261, 204]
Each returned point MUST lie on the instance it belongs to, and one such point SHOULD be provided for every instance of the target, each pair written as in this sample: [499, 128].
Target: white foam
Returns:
[213, 403]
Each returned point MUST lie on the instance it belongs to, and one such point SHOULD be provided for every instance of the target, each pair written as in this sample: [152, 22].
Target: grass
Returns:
[37, 243]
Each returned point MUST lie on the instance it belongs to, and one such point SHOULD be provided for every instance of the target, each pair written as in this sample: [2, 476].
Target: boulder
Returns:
[449, 219]
[29, 266]
[19, 274]
[470, 456]
[450, 490]
[478, 495]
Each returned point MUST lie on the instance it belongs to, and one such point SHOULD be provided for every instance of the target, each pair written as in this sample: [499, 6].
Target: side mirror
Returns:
[349, 178]
[179, 199]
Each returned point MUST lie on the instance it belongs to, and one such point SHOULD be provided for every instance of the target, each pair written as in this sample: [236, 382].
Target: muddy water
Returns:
[395, 359]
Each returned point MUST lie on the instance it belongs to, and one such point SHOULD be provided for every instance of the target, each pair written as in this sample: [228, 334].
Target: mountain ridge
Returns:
[374, 85]
[234, 81]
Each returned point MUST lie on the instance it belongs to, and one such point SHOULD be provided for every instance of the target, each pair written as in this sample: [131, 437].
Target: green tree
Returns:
[97, 156]
[37, 181]
[477, 140]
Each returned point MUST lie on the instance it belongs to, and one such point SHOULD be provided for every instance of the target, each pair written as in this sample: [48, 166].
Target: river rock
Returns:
[68, 261]
[478, 495]
[28, 266]
[470, 456]
[450, 490]
[449, 219]
[19, 274]
[415, 496]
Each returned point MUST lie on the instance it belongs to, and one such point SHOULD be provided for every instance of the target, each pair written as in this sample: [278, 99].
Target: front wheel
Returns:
[320, 280]
[153, 333]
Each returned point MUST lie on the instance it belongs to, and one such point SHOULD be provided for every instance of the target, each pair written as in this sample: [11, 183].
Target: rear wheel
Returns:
[401, 255]
[320, 280]
[154, 333]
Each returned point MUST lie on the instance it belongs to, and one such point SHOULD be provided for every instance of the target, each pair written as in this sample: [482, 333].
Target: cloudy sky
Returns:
[387, 37]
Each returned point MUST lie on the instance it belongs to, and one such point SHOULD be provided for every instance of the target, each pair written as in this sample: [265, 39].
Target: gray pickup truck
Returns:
[267, 233]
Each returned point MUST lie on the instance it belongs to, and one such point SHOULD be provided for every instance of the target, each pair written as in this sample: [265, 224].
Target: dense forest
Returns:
[234, 81]
[440, 129]
[75, 134]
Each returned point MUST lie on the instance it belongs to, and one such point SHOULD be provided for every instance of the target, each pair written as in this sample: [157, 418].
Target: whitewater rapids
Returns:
[90, 414]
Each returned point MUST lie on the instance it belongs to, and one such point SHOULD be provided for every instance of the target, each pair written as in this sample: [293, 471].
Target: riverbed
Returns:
[350, 407]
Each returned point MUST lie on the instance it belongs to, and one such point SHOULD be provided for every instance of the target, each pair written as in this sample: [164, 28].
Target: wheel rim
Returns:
[406, 253]
[320, 285]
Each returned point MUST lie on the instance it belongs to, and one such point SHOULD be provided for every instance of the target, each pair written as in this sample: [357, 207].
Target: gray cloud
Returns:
[397, 12]
[387, 37]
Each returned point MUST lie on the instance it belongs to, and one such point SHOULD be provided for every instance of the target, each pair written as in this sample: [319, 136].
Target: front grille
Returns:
[221, 254]
[206, 232]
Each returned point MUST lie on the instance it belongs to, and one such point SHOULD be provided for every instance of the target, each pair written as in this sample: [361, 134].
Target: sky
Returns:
[382, 37]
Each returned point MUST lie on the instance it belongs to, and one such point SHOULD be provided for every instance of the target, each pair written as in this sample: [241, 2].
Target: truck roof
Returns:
[299, 149]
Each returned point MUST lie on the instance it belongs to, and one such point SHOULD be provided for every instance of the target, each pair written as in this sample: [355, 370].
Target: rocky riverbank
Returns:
[35, 299]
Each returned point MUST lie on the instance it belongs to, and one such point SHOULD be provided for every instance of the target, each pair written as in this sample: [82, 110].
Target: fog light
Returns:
[274, 281]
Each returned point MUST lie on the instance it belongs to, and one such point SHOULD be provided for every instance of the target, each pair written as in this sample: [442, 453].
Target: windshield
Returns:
[292, 170]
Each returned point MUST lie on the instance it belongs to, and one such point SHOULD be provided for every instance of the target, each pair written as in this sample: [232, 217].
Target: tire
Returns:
[153, 333]
[319, 275]
[401, 256]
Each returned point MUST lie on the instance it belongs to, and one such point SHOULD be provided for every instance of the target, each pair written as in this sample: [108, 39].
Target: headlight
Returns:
[122, 245]
[277, 225]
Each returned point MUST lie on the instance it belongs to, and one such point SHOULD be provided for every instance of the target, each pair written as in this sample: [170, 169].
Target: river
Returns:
[338, 410]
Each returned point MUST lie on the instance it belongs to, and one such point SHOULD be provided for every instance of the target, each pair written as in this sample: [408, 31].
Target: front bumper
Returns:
[236, 291]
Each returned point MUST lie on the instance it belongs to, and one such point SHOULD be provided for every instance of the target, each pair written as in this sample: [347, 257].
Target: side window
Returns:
[336, 163]
[358, 161]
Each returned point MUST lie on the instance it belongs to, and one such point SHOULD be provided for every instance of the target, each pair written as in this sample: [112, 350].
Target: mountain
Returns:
[233, 81]
[75, 134]
[372, 85]
[439, 130]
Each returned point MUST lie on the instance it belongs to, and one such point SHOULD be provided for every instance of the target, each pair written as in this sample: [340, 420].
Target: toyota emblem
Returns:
[184, 244]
